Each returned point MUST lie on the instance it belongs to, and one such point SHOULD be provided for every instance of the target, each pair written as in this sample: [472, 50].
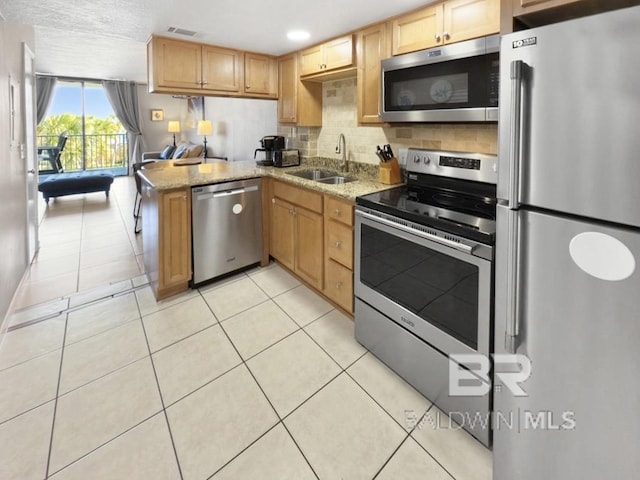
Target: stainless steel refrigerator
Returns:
[568, 252]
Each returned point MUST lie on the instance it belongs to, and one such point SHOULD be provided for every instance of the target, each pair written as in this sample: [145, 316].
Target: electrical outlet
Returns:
[402, 156]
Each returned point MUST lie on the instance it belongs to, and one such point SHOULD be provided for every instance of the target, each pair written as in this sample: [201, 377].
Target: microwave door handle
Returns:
[515, 132]
[512, 330]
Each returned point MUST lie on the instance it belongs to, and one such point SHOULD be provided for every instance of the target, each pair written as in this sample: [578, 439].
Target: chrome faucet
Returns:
[342, 148]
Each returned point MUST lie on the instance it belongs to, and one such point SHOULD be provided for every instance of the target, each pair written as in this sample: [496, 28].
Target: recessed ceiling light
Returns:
[298, 35]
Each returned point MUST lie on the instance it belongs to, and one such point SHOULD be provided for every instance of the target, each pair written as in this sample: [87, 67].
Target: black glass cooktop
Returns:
[470, 213]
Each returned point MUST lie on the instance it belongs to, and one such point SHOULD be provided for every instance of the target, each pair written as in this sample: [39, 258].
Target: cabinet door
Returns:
[287, 89]
[338, 53]
[176, 64]
[309, 247]
[466, 19]
[311, 60]
[418, 30]
[221, 69]
[175, 242]
[260, 75]
[373, 46]
[339, 287]
[282, 232]
[521, 7]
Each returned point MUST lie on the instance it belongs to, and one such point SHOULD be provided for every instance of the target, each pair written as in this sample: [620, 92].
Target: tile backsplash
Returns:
[340, 115]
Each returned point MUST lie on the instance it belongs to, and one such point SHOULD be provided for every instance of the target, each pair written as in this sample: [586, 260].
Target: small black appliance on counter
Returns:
[270, 144]
[286, 158]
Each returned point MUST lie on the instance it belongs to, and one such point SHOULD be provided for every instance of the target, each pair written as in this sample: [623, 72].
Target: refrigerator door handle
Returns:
[515, 130]
[513, 282]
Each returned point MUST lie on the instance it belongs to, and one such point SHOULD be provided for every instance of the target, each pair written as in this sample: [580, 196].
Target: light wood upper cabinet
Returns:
[260, 75]
[418, 30]
[333, 55]
[311, 60]
[522, 7]
[448, 22]
[176, 66]
[298, 103]
[466, 19]
[221, 69]
[373, 45]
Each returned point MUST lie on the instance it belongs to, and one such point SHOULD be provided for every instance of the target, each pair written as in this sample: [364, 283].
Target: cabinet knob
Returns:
[184, 198]
[338, 285]
[338, 244]
[247, 87]
[446, 35]
[273, 200]
[205, 83]
[438, 38]
[338, 213]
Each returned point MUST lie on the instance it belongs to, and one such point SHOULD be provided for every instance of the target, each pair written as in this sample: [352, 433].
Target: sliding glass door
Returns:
[96, 138]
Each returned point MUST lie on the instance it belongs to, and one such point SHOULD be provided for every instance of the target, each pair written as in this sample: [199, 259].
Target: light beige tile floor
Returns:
[251, 377]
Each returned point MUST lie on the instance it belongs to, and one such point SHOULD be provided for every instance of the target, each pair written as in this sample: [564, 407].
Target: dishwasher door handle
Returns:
[226, 193]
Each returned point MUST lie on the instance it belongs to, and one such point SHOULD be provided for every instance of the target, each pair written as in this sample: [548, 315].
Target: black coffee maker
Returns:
[269, 144]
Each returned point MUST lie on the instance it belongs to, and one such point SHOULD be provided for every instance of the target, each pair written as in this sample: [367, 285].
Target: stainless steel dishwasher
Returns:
[227, 227]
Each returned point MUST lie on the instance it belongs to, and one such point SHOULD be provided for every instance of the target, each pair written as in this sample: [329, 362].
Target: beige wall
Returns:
[13, 227]
[340, 115]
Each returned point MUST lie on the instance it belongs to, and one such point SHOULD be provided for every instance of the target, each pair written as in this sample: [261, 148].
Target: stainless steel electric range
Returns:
[424, 275]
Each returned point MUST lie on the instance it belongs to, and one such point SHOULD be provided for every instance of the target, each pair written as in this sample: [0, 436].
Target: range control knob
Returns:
[416, 159]
[426, 160]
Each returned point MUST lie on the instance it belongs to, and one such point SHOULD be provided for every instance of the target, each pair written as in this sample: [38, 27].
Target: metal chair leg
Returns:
[136, 214]
[136, 205]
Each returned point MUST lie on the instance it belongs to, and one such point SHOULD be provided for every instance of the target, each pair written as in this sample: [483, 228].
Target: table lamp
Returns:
[174, 127]
[205, 128]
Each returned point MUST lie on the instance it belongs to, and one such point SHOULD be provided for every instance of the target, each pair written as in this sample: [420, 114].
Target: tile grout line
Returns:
[164, 408]
[55, 405]
[280, 420]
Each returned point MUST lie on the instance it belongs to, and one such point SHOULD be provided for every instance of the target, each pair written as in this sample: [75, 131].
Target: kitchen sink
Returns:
[323, 176]
[336, 180]
[313, 174]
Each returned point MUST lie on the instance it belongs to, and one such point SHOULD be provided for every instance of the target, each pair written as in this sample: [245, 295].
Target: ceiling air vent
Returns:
[182, 31]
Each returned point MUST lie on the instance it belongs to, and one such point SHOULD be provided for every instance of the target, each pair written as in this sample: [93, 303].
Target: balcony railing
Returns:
[91, 152]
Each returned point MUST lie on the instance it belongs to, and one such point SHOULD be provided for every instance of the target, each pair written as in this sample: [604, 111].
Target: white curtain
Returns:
[44, 94]
[123, 97]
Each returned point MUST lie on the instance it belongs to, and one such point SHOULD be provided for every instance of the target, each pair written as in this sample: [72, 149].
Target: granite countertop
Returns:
[166, 176]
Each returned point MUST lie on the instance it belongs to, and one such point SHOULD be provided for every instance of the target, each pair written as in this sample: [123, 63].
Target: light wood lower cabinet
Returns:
[338, 221]
[297, 231]
[166, 237]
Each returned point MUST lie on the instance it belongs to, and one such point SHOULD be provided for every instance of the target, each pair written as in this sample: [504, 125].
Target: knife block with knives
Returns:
[389, 168]
[390, 172]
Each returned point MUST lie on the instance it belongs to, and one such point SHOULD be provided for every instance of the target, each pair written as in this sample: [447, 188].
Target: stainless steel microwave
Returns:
[452, 83]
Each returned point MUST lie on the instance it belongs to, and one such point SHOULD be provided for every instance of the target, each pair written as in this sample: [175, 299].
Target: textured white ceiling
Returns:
[107, 38]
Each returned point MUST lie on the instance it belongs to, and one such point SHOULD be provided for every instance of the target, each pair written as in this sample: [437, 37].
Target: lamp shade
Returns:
[205, 127]
[173, 126]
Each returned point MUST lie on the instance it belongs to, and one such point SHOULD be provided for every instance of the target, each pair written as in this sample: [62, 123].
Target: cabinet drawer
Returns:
[340, 243]
[339, 210]
[339, 286]
[298, 196]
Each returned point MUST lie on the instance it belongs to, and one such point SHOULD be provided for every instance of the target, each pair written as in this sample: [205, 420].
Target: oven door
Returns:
[430, 283]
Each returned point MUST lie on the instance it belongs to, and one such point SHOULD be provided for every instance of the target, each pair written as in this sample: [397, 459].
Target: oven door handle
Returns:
[443, 241]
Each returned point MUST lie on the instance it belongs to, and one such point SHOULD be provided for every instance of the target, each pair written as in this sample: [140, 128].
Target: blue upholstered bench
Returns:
[60, 184]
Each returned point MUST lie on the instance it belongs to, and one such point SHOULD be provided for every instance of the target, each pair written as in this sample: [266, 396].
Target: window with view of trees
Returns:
[96, 138]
